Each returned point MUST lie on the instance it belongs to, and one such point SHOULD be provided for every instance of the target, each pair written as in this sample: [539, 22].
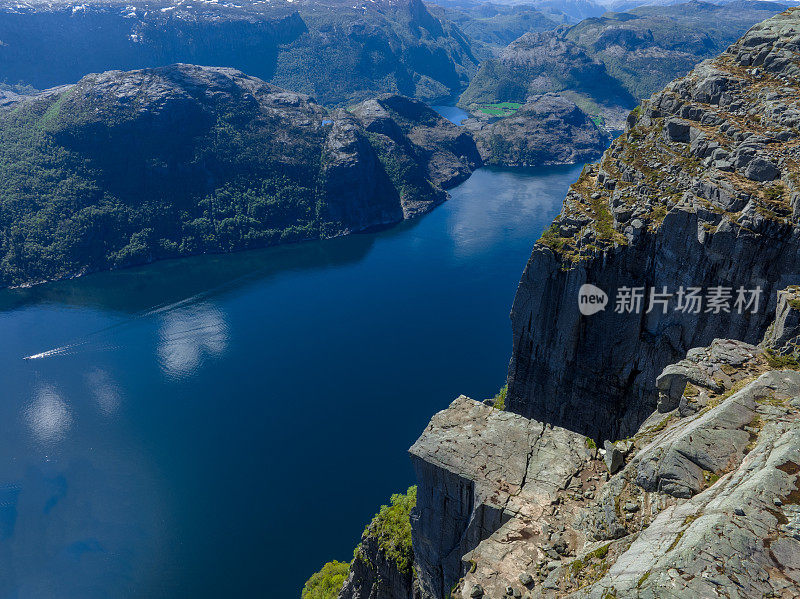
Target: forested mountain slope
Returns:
[124, 168]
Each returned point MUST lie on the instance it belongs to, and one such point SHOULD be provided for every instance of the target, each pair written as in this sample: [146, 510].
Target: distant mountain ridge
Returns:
[337, 51]
[606, 63]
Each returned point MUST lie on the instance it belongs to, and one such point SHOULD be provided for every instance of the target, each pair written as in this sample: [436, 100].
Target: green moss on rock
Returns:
[391, 527]
[327, 583]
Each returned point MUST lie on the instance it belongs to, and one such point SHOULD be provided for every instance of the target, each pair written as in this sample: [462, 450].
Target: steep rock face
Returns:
[339, 52]
[478, 469]
[374, 576]
[701, 501]
[548, 129]
[130, 167]
[700, 191]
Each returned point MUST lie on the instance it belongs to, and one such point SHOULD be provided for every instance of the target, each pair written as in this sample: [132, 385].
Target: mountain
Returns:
[562, 11]
[646, 47]
[497, 25]
[124, 168]
[603, 64]
[339, 52]
[642, 448]
[539, 63]
[548, 129]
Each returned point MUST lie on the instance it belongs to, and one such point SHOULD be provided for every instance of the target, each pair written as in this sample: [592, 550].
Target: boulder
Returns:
[760, 169]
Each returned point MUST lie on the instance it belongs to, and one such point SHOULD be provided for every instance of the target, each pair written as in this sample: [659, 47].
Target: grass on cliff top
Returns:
[499, 400]
[781, 362]
[327, 583]
[391, 526]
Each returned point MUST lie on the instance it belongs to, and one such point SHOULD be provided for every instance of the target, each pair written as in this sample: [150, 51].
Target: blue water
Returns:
[221, 426]
[452, 113]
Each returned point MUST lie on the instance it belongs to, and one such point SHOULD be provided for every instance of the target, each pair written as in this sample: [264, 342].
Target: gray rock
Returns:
[711, 442]
[677, 130]
[475, 467]
[760, 169]
[614, 458]
[723, 165]
[783, 335]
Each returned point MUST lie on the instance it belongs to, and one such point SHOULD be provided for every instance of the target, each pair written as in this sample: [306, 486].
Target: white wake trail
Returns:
[71, 348]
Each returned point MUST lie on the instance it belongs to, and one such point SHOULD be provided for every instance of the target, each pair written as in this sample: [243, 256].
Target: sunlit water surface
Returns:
[221, 426]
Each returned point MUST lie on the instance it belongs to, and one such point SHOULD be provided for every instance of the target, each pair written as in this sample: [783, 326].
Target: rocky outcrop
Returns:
[696, 490]
[548, 129]
[705, 502]
[783, 336]
[678, 201]
[131, 167]
[485, 476]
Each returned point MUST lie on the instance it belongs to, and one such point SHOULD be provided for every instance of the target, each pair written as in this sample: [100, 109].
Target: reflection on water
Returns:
[479, 222]
[104, 390]
[48, 415]
[188, 336]
[451, 113]
[160, 448]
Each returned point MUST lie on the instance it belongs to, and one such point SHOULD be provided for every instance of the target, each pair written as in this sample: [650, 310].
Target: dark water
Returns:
[221, 426]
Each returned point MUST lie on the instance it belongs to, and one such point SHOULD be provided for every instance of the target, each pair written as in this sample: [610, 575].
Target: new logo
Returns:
[591, 299]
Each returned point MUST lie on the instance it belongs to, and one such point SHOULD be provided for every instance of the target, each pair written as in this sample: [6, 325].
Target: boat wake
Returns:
[58, 351]
[86, 343]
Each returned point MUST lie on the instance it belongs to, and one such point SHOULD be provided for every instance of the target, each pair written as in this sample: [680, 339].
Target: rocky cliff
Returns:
[701, 496]
[703, 501]
[700, 191]
[129, 167]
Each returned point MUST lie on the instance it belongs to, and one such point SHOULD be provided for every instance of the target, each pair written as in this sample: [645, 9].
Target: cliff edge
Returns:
[652, 441]
[702, 501]
[701, 191]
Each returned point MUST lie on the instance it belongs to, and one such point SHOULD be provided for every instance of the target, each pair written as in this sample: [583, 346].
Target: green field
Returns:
[500, 108]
